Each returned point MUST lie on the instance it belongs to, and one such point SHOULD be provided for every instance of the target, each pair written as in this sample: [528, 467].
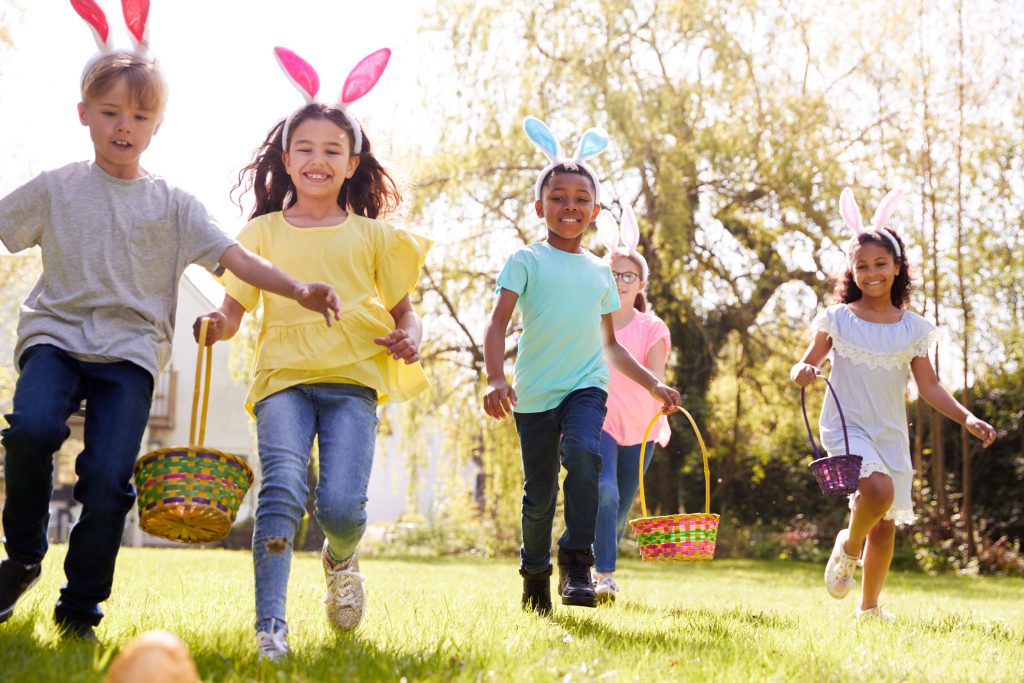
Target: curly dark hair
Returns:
[570, 168]
[370, 192]
[846, 290]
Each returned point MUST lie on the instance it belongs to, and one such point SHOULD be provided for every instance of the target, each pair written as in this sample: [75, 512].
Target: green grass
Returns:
[458, 619]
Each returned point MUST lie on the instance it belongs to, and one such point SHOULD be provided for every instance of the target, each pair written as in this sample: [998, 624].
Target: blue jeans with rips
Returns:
[620, 480]
[343, 417]
[568, 434]
[51, 386]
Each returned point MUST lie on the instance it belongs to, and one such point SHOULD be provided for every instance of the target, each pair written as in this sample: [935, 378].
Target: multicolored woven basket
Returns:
[837, 475]
[679, 538]
[192, 493]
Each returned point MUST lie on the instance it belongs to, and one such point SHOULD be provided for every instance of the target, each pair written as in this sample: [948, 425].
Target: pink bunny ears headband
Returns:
[136, 15]
[851, 214]
[611, 232]
[593, 142]
[359, 82]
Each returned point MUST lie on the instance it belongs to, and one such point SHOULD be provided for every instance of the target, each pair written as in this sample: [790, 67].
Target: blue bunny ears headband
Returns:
[593, 142]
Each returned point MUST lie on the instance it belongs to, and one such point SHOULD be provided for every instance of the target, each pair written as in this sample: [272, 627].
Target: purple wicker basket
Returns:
[837, 475]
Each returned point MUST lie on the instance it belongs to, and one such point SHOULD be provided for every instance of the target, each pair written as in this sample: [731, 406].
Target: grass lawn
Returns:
[459, 619]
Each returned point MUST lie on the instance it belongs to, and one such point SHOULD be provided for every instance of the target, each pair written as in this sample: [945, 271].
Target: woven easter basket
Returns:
[676, 538]
[191, 494]
[837, 475]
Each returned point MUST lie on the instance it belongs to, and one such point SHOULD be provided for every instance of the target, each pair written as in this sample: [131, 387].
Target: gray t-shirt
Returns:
[113, 253]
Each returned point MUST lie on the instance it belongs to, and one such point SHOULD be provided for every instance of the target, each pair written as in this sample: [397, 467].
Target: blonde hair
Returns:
[145, 81]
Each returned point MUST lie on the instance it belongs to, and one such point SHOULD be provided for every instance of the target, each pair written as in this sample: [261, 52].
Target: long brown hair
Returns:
[370, 192]
[846, 289]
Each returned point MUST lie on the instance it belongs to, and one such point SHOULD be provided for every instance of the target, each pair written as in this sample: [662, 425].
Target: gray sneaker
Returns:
[272, 645]
[607, 590]
[345, 597]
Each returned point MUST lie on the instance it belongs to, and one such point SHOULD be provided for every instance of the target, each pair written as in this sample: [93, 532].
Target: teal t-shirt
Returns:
[562, 297]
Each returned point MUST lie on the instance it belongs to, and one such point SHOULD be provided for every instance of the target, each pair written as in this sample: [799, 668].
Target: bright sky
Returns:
[226, 89]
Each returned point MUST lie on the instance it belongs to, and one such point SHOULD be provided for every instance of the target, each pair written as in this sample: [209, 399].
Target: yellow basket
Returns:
[191, 494]
[676, 538]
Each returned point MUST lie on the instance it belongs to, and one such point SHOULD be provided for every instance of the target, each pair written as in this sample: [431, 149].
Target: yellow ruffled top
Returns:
[372, 265]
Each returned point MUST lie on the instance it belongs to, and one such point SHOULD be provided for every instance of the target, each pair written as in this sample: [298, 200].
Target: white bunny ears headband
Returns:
[136, 16]
[611, 232]
[851, 214]
[593, 142]
[359, 82]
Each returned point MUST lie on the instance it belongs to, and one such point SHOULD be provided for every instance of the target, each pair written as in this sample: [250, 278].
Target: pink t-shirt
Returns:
[630, 406]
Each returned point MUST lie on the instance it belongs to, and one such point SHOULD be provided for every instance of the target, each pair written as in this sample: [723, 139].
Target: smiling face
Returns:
[121, 129]
[874, 270]
[319, 159]
[567, 207]
[623, 269]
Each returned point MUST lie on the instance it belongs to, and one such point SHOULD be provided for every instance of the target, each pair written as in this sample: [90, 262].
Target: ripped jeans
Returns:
[344, 418]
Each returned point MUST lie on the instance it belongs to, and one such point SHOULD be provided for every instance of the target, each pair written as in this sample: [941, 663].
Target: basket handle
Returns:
[803, 407]
[206, 386]
[703, 452]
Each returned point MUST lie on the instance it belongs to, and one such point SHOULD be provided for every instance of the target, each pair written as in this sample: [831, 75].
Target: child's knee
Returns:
[608, 494]
[30, 433]
[340, 515]
[875, 492]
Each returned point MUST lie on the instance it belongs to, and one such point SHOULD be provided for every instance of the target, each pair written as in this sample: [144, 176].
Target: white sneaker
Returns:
[273, 644]
[606, 590]
[345, 596]
[875, 614]
[839, 570]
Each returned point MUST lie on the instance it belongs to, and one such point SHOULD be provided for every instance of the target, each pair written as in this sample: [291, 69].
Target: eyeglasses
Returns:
[627, 278]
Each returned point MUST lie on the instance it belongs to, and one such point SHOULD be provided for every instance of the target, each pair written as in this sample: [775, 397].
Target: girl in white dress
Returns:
[873, 341]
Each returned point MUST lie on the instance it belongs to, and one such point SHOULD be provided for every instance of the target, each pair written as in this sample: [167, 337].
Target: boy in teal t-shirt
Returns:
[566, 296]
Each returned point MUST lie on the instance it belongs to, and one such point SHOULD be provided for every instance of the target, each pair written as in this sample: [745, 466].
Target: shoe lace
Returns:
[272, 643]
[342, 587]
[578, 573]
[609, 582]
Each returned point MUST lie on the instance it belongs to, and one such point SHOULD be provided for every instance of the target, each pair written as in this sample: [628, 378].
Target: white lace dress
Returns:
[870, 369]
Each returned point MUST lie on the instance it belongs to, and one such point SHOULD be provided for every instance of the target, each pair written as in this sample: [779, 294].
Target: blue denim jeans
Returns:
[570, 434]
[343, 417]
[51, 386]
[620, 479]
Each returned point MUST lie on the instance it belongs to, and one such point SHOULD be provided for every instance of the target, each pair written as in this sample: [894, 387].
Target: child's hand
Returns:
[400, 345]
[500, 399]
[320, 297]
[981, 429]
[803, 374]
[668, 396]
[215, 328]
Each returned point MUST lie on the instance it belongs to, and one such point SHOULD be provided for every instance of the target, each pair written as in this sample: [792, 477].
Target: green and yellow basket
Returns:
[191, 494]
[678, 538]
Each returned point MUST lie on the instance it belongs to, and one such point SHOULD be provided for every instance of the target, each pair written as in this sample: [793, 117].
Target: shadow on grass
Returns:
[349, 658]
[31, 651]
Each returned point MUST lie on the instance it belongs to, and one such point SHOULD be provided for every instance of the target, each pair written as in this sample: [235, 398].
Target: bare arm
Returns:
[623, 361]
[224, 321]
[938, 397]
[404, 342]
[261, 273]
[500, 397]
[804, 372]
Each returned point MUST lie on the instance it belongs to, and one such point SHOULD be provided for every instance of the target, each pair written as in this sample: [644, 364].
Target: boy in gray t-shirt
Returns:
[98, 325]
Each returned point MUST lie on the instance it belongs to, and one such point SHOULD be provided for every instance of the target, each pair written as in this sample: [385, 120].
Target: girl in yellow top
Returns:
[319, 190]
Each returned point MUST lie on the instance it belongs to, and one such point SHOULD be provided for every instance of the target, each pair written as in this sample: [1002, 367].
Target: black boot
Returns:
[574, 581]
[537, 591]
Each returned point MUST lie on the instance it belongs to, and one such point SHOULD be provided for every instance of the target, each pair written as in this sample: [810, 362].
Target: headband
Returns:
[359, 82]
[851, 214]
[610, 233]
[593, 142]
[136, 15]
